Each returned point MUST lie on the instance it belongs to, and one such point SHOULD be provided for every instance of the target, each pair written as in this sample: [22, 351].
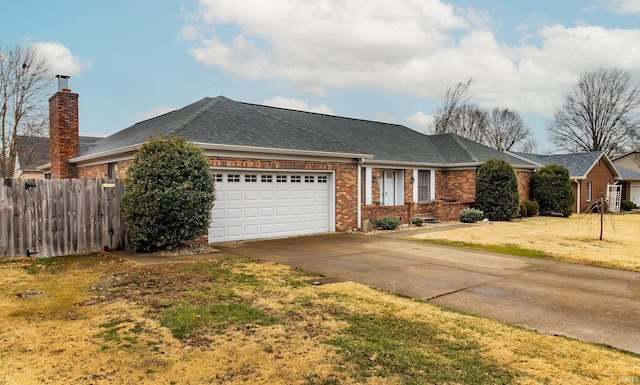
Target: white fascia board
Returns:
[211, 149]
[106, 156]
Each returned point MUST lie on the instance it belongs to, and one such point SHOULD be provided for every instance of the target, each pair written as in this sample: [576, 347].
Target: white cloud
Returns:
[152, 113]
[415, 46]
[384, 117]
[419, 121]
[626, 6]
[296, 104]
[60, 59]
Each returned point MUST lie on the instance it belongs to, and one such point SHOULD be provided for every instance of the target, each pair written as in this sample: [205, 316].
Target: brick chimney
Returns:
[64, 137]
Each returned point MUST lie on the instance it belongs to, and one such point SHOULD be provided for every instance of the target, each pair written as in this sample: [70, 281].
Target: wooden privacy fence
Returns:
[50, 218]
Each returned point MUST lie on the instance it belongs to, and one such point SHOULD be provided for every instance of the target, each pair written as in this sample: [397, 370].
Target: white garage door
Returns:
[253, 204]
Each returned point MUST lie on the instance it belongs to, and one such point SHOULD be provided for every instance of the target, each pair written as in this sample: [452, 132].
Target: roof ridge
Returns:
[195, 115]
[251, 106]
[327, 115]
[457, 140]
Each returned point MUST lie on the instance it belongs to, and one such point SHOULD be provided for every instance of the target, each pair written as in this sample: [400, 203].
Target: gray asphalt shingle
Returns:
[223, 121]
[577, 164]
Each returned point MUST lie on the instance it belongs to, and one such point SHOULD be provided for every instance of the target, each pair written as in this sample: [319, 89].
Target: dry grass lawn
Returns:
[574, 239]
[102, 320]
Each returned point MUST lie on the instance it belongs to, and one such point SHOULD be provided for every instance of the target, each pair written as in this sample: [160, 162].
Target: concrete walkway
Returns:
[588, 303]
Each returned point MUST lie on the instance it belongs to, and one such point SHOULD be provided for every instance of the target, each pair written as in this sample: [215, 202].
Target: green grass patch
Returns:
[184, 320]
[58, 265]
[222, 271]
[509, 249]
[414, 353]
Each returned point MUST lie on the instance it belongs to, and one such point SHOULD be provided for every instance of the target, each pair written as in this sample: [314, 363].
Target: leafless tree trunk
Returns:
[454, 97]
[505, 130]
[24, 87]
[600, 113]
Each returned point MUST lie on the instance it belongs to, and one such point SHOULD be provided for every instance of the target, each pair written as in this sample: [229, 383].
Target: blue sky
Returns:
[387, 60]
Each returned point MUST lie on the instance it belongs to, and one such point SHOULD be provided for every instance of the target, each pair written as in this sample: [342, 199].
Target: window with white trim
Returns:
[218, 177]
[266, 178]
[233, 178]
[251, 178]
[322, 179]
[589, 191]
[281, 179]
[424, 184]
[309, 179]
[296, 179]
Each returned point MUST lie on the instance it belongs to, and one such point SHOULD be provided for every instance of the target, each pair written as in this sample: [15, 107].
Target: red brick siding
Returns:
[63, 134]
[598, 176]
[100, 170]
[456, 185]
[524, 184]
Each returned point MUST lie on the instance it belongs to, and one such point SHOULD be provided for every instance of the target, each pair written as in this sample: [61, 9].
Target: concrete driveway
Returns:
[588, 303]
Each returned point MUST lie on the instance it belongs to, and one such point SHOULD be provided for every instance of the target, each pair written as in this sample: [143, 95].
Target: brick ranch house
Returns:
[282, 172]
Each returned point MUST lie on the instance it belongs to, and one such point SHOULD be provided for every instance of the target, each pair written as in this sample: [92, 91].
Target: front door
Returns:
[388, 188]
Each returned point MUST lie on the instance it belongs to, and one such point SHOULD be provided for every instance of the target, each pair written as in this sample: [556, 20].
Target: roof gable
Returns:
[579, 165]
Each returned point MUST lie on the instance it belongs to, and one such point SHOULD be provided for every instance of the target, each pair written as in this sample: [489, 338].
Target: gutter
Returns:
[223, 147]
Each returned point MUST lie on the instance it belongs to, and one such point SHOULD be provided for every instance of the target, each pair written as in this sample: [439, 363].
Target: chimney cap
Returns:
[63, 82]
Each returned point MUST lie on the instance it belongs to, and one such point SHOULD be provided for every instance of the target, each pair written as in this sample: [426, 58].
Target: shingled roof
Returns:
[33, 151]
[578, 165]
[221, 121]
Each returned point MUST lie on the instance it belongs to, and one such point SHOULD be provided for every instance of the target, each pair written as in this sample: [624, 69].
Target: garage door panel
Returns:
[255, 204]
[234, 213]
[251, 195]
[251, 212]
[233, 195]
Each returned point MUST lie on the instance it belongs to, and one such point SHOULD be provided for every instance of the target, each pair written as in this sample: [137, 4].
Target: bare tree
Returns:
[468, 121]
[600, 113]
[454, 97]
[505, 130]
[24, 87]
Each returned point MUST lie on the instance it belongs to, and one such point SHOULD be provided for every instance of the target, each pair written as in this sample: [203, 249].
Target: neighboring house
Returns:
[592, 175]
[630, 161]
[33, 151]
[282, 172]
[629, 167]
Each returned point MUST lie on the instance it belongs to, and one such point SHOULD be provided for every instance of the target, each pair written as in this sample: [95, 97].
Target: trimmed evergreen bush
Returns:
[169, 194]
[532, 207]
[497, 191]
[387, 223]
[551, 188]
[417, 221]
[470, 215]
[523, 210]
[627, 205]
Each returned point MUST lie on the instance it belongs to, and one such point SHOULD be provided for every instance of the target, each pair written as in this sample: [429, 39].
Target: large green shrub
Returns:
[497, 191]
[387, 223]
[551, 188]
[470, 215]
[169, 194]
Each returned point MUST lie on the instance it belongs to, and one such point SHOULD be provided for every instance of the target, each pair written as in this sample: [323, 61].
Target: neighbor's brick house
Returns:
[593, 176]
[282, 172]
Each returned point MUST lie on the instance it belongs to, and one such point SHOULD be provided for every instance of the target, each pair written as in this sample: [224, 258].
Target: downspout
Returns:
[578, 197]
[359, 194]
